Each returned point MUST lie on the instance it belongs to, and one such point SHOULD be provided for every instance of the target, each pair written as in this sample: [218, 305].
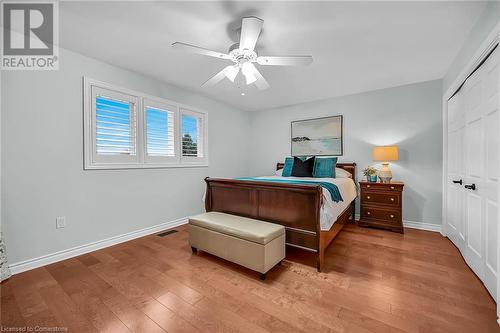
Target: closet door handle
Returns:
[471, 187]
[457, 182]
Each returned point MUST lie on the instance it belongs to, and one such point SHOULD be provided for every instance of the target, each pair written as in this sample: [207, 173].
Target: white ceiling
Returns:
[357, 46]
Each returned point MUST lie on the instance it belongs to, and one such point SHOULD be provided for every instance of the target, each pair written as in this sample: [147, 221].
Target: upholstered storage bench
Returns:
[254, 244]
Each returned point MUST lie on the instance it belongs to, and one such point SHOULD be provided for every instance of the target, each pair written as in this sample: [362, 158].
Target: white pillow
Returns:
[341, 173]
[279, 172]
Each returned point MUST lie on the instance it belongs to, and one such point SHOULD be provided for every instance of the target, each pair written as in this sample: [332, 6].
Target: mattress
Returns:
[330, 210]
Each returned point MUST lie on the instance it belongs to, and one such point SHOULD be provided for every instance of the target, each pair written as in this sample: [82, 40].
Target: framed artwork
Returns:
[319, 137]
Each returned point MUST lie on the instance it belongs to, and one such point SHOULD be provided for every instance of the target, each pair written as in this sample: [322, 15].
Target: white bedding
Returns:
[330, 210]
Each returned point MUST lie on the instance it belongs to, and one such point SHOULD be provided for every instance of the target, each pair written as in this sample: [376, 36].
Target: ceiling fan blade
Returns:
[217, 77]
[232, 72]
[285, 61]
[261, 83]
[250, 31]
[200, 50]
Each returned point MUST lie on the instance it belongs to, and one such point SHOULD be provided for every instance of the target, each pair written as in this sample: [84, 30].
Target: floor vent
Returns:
[166, 233]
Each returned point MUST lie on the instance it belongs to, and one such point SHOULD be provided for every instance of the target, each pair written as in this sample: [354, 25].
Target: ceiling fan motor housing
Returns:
[239, 56]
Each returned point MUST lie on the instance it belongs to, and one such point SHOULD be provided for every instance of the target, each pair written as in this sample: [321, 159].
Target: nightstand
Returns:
[382, 205]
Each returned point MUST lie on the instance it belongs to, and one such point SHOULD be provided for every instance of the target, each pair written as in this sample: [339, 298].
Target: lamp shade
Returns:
[385, 153]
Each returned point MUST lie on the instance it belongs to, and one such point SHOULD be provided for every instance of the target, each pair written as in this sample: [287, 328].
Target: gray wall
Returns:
[485, 24]
[408, 116]
[42, 162]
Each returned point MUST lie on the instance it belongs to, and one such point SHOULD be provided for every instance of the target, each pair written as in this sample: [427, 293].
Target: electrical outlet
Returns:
[60, 222]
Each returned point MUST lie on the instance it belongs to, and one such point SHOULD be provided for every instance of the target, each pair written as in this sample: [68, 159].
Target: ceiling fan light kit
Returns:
[243, 55]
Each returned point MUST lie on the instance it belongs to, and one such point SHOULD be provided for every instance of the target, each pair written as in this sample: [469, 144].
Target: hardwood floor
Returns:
[374, 281]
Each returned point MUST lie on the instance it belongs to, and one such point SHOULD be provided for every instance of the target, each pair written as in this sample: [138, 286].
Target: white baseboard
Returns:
[29, 264]
[422, 226]
[417, 225]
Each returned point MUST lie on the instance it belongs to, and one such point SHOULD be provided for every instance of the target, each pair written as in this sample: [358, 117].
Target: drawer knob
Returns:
[368, 213]
[367, 185]
[392, 199]
[392, 187]
[368, 197]
[392, 216]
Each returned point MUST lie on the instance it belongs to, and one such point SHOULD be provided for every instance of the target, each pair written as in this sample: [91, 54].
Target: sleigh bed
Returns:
[296, 206]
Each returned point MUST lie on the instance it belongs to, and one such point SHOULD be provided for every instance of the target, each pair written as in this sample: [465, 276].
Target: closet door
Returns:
[456, 171]
[490, 174]
[480, 96]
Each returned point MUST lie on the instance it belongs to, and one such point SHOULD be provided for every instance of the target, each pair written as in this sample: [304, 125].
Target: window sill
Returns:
[144, 166]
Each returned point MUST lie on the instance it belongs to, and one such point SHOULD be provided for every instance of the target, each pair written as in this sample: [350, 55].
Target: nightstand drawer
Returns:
[368, 197]
[396, 187]
[386, 215]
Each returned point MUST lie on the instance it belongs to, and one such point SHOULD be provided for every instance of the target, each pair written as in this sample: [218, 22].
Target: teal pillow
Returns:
[287, 169]
[325, 167]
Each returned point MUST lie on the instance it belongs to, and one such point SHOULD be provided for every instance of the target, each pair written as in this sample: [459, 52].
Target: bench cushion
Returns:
[241, 227]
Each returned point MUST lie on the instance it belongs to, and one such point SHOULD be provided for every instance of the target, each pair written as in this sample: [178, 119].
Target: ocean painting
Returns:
[321, 136]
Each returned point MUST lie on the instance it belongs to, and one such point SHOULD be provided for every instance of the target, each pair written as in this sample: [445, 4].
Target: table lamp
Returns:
[385, 154]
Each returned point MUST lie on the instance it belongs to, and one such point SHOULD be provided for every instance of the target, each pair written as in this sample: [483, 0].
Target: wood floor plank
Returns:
[234, 302]
[374, 281]
[166, 318]
[130, 315]
[10, 313]
[409, 279]
[86, 297]
[88, 260]
[200, 318]
[27, 296]
[64, 310]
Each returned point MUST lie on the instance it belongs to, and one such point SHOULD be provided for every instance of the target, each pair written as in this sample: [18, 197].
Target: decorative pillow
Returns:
[341, 173]
[303, 168]
[287, 169]
[325, 167]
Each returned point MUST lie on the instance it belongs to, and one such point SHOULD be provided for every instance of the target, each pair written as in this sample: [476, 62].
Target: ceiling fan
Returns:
[243, 55]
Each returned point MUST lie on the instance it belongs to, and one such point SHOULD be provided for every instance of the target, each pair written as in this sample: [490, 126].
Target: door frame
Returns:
[482, 52]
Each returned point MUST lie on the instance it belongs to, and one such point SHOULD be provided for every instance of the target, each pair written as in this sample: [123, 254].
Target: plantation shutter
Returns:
[115, 127]
[115, 124]
[160, 132]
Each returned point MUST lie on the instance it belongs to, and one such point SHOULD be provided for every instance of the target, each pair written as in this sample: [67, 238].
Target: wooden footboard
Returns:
[295, 206]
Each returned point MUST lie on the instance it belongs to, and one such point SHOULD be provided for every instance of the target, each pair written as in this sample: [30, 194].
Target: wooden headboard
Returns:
[349, 167]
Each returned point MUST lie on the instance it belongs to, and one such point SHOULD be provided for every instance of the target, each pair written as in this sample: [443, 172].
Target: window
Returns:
[160, 132]
[192, 134]
[115, 127]
[127, 129]
[189, 136]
